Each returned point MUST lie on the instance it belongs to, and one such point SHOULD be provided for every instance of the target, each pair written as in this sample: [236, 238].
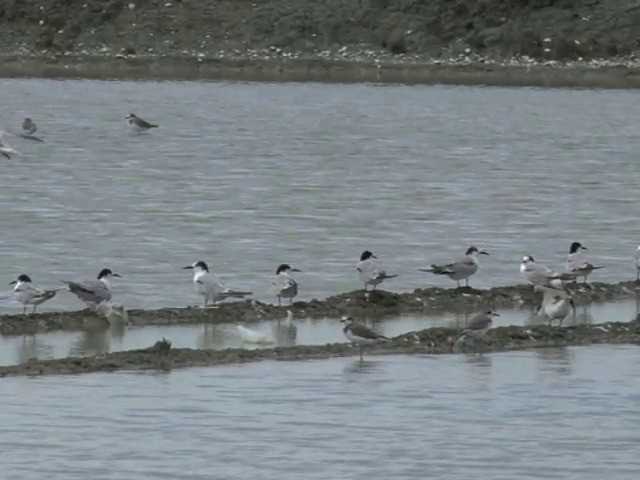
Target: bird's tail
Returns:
[385, 276]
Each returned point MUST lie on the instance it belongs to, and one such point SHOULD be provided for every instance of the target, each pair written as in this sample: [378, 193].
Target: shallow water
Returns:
[246, 176]
[18, 349]
[559, 413]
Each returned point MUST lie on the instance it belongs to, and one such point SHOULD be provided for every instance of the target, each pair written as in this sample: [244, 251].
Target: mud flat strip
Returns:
[378, 304]
[322, 70]
[161, 357]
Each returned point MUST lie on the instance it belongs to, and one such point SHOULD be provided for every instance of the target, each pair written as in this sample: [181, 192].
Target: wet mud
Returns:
[358, 304]
[162, 357]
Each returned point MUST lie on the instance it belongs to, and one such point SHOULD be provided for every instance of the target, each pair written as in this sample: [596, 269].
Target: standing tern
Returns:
[27, 293]
[360, 335]
[537, 274]
[284, 285]
[212, 289]
[93, 292]
[370, 272]
[578, 263]
[139, 124]
[461, 269]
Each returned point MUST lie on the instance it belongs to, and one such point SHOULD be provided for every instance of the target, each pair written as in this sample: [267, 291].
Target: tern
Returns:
[461, 269]
[27, 293]
[577, 262]
[284, 284]
[93, 292]
[369, 270]
[478, 326]
[212, 289]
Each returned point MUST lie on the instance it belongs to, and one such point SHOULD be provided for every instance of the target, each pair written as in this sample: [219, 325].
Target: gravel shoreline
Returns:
[433, 341]
[338, 67]
[358, 304]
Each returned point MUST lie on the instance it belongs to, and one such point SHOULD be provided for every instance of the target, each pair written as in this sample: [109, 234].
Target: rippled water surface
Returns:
[303, 331]
[562, 413]
[246, 176]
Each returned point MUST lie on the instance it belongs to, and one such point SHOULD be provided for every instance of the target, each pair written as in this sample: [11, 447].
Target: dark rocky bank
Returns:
[431, 341]
[338, 39]
[358, 304]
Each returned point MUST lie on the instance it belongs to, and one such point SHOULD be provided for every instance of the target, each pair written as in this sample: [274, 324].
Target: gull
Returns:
[636, 262]
[284, 284]
[93, 292]
[114, 312]
[369, 270]
[27, 293]
[251, 336]
[360, 335]
[556, 304]
[577, 262]
[478, 326]
[212, 289]
[537, 274]
[5, 148]
[461, 269]
[138, 124]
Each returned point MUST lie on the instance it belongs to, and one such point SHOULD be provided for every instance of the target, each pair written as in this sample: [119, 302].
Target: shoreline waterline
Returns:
[608, 75]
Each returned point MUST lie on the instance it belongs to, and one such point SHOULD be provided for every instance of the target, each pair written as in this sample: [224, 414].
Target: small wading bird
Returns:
[93, 292]
[478, 326]
[284, 285]
[360, 335]
[138, 124]
[537, 274]
[369, 270]
[556, 304]
[27, 293]
[212, 289]
[28, 127]
[577, 262]
[461, 269]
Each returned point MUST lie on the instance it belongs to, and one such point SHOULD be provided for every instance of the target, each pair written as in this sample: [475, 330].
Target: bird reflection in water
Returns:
[285, 331]
[554, 360]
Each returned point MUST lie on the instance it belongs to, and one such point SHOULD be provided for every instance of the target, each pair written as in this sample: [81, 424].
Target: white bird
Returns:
[478, 326]
[251, 336]
[461, 269]
[5, 148]
[578, 263]
[139, 124]
[93, 292]
[284, 285]
[556, 304]
[27, 293]
[207, 285]
[369, 270]
[537, 274]
[360, 335]
[636, 262]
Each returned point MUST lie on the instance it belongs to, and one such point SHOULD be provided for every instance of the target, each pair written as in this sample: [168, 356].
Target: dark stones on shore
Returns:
[162, 357]
[378, 304]
[541, 29]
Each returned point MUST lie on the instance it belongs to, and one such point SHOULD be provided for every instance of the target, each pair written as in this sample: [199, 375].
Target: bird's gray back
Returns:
[90, 291]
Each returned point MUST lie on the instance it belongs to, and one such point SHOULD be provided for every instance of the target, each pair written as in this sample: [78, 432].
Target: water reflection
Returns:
[555, 360]
[98, 339]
